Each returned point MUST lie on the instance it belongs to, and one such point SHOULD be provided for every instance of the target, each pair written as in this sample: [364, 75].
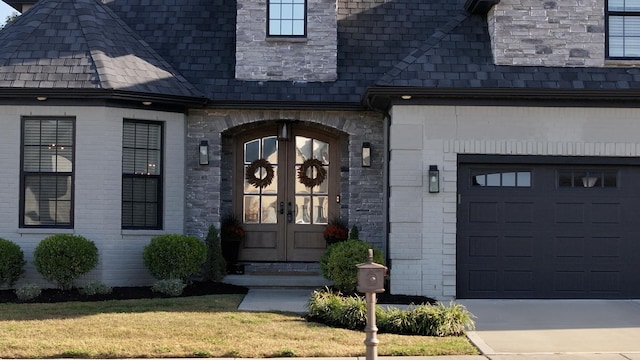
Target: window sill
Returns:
[287, 39]
[46, 231]
[142, 232]
[622, 62]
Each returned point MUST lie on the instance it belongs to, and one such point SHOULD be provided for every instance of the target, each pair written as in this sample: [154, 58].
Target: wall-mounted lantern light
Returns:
[366, 154]
[434, 179]
[204, 152]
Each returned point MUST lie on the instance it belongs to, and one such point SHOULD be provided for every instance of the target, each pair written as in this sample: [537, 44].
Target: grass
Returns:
[199, 326]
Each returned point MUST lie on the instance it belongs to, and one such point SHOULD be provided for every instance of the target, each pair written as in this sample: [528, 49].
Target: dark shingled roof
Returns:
[458, 55]
[176, 47]
[81, 44]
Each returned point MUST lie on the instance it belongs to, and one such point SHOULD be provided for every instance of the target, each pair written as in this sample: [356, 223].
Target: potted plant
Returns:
[231, 236]
[336, 231]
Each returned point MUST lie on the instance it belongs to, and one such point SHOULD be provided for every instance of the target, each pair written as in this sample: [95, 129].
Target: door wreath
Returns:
[255, 181]
[320, 172]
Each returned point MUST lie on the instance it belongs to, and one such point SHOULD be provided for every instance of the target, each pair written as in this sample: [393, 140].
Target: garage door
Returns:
[561, 230]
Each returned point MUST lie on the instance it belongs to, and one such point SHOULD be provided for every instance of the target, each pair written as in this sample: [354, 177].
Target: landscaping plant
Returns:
[11, 262]
[95, 288]
[215, 266]
[62, 258]
[174, 256]
[171, 287]
[339, 261]
[334, 309]
[28, 292]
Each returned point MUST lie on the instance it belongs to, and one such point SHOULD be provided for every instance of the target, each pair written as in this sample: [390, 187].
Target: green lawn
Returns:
[199, 326]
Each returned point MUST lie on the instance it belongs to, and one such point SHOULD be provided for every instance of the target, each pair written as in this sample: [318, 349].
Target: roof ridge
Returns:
[438, 35]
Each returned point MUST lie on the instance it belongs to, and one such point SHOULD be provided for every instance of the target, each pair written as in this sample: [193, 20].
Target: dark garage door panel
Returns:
[543, 241]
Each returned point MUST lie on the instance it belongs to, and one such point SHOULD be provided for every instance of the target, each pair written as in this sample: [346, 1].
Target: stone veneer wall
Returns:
[313, 58]
[548, 33]
[209, 188]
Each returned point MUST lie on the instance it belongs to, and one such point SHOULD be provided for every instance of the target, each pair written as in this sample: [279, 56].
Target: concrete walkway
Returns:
[517, 329]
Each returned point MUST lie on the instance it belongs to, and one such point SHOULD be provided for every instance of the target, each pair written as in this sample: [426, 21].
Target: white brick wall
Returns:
[98, 178]
[453, 130]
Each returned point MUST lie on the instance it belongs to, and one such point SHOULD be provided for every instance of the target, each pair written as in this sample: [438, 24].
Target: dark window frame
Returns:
[146, 177]
[269, 18]
[573, 179]
[608, 15]
[53, 174]
[500, 173]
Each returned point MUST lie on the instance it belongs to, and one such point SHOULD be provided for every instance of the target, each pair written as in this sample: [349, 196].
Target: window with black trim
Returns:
[141, 175]
[46, 172]
[584, 178]
[497, 178]
[287, 18]
[623, 29]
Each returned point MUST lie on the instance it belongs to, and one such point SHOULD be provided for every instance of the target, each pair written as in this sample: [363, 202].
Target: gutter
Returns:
[383, 98]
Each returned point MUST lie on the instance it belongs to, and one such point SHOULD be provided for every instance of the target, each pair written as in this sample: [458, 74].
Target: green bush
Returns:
[95, 288]
[11, 262]
[62, 258]
[334, 309]
[215, 266]
[354, 234]
[28, 292]
[339, 261]
[171, 287]
[174, 256]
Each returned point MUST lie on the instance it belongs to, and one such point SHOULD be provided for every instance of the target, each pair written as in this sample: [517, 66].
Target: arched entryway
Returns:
[286, 189]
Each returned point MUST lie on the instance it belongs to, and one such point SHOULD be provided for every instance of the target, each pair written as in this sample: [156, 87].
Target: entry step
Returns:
[282, 280]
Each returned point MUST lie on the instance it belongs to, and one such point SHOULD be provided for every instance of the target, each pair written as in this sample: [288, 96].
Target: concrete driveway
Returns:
[556, 326]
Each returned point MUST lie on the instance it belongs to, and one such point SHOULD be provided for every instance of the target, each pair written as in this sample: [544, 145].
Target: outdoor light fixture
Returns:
[434, 179]
[284, 130]
[41, 98]
[204, 152]
[366, 154]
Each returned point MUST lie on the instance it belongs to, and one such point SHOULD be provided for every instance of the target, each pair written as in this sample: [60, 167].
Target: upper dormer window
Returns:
[623, 17]
[287, 18]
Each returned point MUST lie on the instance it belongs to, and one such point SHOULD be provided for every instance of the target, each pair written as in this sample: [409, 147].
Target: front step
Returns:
[278, 281]
[282, 275]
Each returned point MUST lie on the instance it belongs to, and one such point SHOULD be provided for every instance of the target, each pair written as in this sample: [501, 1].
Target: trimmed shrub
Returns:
[339, 261]
[354, 234]
[28, 292]
[174, 256]
[95, 288]
[11, 262]
[334, 309]
[171, 287]
[215, 267]
[62, 258]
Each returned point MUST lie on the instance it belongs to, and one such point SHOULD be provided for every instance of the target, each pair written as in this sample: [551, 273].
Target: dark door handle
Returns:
[289, 212]
[281, 207]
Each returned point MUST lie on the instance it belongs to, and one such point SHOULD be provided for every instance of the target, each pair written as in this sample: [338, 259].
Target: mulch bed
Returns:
[197, 288]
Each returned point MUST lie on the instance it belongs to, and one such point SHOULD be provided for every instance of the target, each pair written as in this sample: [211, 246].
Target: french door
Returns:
[286, 192]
